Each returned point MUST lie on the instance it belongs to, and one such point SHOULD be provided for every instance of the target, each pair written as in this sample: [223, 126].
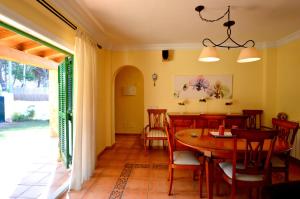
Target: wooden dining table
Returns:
[214, 147]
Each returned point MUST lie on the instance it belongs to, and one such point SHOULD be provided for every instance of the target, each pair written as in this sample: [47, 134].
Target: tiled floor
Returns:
[127, 172]
[31, 169]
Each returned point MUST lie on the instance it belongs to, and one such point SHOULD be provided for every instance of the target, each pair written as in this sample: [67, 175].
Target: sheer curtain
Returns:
[83, 163]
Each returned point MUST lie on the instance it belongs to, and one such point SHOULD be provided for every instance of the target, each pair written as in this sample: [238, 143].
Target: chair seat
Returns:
[277, 162]
[227, 168]
[185, 158]
[156, 134]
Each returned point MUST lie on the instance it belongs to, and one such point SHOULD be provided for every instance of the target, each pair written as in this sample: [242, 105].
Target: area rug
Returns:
[120, 185]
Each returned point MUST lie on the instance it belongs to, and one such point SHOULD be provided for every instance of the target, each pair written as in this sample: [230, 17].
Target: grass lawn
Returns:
[14, 128]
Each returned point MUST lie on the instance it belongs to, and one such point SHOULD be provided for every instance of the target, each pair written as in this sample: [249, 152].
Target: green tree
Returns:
[3, 74]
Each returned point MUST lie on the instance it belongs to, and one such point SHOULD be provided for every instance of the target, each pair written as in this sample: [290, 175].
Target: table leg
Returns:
[209, 168]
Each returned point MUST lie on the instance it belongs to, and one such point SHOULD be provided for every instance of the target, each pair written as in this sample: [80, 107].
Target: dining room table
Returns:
[214, 146]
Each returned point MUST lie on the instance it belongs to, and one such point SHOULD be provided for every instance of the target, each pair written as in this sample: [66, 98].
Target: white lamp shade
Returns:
[209, 54]
[248, 55]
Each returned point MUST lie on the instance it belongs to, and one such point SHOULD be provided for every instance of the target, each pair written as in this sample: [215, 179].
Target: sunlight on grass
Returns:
[22, 128]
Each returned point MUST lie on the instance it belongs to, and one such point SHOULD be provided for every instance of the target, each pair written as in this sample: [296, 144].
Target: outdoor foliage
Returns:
[21, 73]
[28, 115]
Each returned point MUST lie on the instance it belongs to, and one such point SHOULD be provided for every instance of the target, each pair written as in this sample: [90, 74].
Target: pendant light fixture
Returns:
[209, 52]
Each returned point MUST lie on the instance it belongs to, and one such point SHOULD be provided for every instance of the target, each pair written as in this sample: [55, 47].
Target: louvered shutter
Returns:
[65, 120]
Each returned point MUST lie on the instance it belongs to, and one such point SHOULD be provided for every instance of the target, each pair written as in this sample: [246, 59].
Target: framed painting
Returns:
[203, 87]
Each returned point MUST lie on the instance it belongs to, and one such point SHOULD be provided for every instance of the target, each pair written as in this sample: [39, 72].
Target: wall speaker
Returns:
[165, 55]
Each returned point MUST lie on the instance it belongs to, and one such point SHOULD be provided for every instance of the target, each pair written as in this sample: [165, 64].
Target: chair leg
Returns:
[286, 174]
[145, 144]
[171, 171]
[218, 180]
[233, 191]
[257, 193]
[250, 192]
[201, 175]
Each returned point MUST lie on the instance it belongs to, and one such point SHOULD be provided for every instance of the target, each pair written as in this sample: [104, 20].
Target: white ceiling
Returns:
[152, 22]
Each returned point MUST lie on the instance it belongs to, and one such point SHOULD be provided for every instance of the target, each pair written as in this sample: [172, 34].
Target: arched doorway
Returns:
[129, 101]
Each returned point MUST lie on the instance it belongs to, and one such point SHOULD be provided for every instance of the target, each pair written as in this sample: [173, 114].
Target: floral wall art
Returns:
[203, 87]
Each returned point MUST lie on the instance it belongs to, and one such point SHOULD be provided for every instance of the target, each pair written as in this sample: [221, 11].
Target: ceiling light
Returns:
[209, 54]
[248, 54]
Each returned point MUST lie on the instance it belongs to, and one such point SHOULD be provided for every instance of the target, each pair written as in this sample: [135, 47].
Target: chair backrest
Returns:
[211, 122]
[254, 118]
[157, 118]
[255, 159]
[287, 129]
[170, 141]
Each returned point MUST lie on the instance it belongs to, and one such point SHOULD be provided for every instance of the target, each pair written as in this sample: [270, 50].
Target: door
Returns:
[65, 102]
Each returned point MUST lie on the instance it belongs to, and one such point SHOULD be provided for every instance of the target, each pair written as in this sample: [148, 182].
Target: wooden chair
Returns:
[254, 118]
[287, 131]
[182, 160]
[252, 169]
[155, 128]
[212, 122]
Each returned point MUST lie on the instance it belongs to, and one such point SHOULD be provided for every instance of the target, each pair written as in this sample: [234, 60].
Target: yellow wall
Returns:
[288, 71]
[247, 79]
[288, 92]
[269, 85]
[129, 109]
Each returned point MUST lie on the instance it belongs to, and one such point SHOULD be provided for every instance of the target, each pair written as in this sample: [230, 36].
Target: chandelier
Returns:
[209, 52]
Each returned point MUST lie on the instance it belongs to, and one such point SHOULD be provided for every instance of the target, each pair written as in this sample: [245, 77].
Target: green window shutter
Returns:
[65, 100]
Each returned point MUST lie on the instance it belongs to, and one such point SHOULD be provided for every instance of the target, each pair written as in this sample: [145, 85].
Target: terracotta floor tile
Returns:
[135, 194]
[104, 183]
[137, 185]
[140, 173]
[75, 194]
[159, 174]
[159, 186]
[185, 185]
[187, 195]
[96, 194]
[112, 171]
[160, 195]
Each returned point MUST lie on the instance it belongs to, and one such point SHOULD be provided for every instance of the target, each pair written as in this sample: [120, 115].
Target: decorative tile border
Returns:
[120, 185]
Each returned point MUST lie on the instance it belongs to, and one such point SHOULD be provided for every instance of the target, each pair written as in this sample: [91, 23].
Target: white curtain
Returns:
[83, 163]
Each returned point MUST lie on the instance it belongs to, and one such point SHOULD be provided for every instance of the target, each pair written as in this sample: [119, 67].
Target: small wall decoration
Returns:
[154, 78]
[203, 87]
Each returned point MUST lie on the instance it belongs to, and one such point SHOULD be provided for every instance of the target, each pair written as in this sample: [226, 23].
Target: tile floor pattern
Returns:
[39, 174]
[42, 179]
[127, 172]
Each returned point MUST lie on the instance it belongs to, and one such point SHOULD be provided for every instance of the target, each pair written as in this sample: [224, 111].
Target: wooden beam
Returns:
[35, 49]
[10, 37]
[6, 33]
[25, 58]
[45, 53]
[55, 55]
[24, 46]
[58, 59]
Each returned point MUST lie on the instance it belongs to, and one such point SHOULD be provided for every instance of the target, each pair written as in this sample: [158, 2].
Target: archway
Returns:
[129, 101]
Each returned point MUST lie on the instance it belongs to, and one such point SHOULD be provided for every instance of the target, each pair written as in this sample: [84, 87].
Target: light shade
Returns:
[209, 54]
[248, 55]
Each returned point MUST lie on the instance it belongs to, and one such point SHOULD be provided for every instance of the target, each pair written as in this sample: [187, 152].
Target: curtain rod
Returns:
[60, 16]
